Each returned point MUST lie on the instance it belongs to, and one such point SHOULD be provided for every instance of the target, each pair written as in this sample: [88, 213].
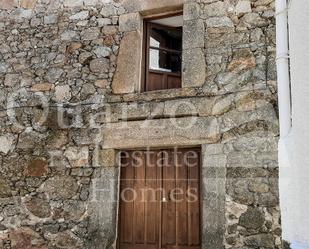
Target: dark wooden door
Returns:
[160, 199]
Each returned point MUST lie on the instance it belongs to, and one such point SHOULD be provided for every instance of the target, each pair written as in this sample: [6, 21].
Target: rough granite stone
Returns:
[253, 218]
[8, 4]
[193, 34]
[127, 72]
[60, 187]
[28, 4]
[130, 22]
[36, 168]
[194, 68]
[243, 6]
[99, 65]
[62, 93]
[38, 207]
[5, 190]
[78, 157]
[73, 3]
[79, 16]
[102, 52]
[6, 143]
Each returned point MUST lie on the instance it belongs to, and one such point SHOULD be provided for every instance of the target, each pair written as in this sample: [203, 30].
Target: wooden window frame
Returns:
[147, 24]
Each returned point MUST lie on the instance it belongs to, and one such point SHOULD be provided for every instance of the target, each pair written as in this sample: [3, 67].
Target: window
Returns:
[163, 48]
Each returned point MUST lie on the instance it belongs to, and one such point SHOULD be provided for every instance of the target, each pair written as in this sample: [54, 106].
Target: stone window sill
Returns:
[155, 95]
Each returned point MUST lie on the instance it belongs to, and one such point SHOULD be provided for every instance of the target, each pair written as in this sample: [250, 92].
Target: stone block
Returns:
[253, 218]
[109, 10]
[8, 4]
[168, 132]
[102, 51]
[215, 161]
[90, 34]
[6, 143]
[260, 241]
[73, 3]
[193, 34]
[28, 4]
[11, 80]
[36, 168]
[103, 208]
[127, 75]
[51, 19]
[217, 22]
[54, 74]
[38, 207]
[66, 239]
[42, 87]
[30, 139]
[62, 93]
[213, 210]
[85, 57]
[77, 156]
[82, 15]
[110, 30]
[191, 11]
[104, 21]
[258, 186]
[243, 6]
[174, 108]
[130, 22]
[104, 158]
[152, 7]
[23, 13]
[262, 2]
[223, 105]
[91, 2]
[130, 111]
[194, 68]
[69, 35]
[34, 22]
[73, 47]
[3, 67]
[233, 119]
[5, 190]
[63, 187]
[253, 20]
[189, 106]
[24, 237]
[215, 9]
[99, 65]
[212, 149]
[101, 83]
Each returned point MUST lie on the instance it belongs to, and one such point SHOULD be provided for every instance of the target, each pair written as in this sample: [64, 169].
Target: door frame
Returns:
[200, 185]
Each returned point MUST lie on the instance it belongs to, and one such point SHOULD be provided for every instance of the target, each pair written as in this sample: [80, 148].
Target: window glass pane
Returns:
[166, 38]
[164, 61]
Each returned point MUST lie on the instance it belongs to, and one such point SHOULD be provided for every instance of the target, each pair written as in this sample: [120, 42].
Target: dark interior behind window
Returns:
[163, 48]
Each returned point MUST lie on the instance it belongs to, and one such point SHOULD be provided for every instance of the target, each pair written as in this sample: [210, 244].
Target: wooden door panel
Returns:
[168, 206]
[139, 204]
[181, 201]
[152, 199]
[194, 203]
[166, 210]
[139, 219]
[127, 206]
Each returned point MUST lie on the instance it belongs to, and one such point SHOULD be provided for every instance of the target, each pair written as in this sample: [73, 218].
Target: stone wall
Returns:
[69, 97]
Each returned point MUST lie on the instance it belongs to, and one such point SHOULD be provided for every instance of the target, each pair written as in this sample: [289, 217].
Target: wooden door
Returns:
[160, 200]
